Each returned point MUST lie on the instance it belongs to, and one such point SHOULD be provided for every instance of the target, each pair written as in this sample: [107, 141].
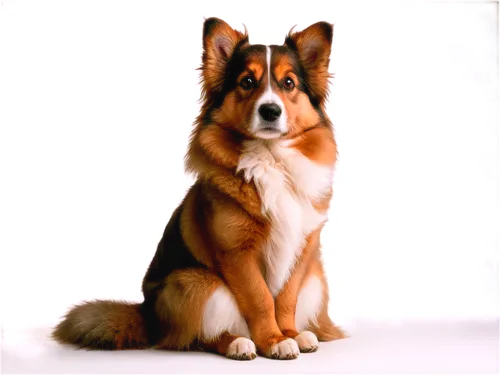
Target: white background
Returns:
[97, 99]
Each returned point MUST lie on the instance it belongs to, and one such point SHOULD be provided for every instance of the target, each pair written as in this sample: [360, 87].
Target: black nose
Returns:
[270, 112]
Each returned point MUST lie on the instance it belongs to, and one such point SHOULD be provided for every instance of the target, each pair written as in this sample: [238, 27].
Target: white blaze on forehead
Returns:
[269, 94]
[268, 58]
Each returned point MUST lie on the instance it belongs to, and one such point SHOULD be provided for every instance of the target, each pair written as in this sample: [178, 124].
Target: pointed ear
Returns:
[219, 43]
[313, 46]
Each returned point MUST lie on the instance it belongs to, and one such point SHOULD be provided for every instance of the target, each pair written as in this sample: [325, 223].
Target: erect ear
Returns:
[313, 46]
[219, 43]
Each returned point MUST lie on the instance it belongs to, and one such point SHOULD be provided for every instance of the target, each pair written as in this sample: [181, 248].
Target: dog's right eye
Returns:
[246, 83]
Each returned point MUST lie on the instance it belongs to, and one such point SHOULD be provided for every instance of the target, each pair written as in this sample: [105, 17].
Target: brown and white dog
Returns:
[238, 270]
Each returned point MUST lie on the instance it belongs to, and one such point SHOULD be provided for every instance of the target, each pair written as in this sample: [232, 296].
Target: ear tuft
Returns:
[209, 25]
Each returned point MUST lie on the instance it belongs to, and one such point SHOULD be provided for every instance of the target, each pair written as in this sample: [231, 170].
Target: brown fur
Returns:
[220, 225]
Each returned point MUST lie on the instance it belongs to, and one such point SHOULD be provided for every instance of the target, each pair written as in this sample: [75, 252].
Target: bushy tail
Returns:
[105, 325]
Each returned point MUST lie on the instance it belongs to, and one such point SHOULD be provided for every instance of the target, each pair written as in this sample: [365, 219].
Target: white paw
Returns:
[307, 341]
[286, 349]
[242, 349]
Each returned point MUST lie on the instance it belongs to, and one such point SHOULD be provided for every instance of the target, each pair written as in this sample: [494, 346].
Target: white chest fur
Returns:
[287, 182]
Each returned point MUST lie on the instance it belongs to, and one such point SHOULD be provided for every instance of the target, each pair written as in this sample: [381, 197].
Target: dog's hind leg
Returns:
[195, 306]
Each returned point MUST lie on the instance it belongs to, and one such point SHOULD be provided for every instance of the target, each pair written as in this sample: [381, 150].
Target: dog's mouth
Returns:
[269, 132]
[269, 129]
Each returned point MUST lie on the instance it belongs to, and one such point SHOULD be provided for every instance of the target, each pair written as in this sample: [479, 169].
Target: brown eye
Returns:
[288, 83]
[246, 83]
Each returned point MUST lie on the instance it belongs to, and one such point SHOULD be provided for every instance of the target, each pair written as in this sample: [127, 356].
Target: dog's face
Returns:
[265, 92]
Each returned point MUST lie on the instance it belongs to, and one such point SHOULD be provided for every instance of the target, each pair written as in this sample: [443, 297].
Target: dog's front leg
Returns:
[286, 300]
[243, 277]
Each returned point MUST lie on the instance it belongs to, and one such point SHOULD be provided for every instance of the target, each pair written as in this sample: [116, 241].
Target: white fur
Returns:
[241, 348]
[309, 303]
[286, 349]
[222, 314]
[268, 97]
[268, 61]
[286, 181]
[307, 341]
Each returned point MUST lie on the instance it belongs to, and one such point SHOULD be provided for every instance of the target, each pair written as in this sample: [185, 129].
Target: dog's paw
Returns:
[286, 349]
[307, 342]
[242, 349]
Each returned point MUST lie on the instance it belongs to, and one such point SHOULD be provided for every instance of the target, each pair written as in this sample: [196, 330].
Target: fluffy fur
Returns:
[238, 269]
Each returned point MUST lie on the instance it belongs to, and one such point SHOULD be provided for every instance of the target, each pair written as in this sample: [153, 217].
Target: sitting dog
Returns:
[238, 270]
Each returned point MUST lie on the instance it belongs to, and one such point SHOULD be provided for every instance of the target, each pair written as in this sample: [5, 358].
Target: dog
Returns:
[238, 270]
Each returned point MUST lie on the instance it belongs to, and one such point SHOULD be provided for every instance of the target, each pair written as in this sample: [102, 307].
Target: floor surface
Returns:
[418, 347]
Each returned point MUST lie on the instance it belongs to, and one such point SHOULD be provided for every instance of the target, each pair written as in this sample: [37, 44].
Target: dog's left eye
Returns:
[288, 83]
[247, 83]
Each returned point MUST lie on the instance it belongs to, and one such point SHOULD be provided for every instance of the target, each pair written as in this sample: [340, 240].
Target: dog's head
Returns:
[265, 92]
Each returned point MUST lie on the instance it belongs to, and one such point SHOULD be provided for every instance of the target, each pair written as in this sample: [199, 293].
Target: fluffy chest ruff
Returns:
[288, 183]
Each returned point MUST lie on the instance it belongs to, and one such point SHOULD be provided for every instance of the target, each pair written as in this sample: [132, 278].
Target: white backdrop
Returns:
[97, 99]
